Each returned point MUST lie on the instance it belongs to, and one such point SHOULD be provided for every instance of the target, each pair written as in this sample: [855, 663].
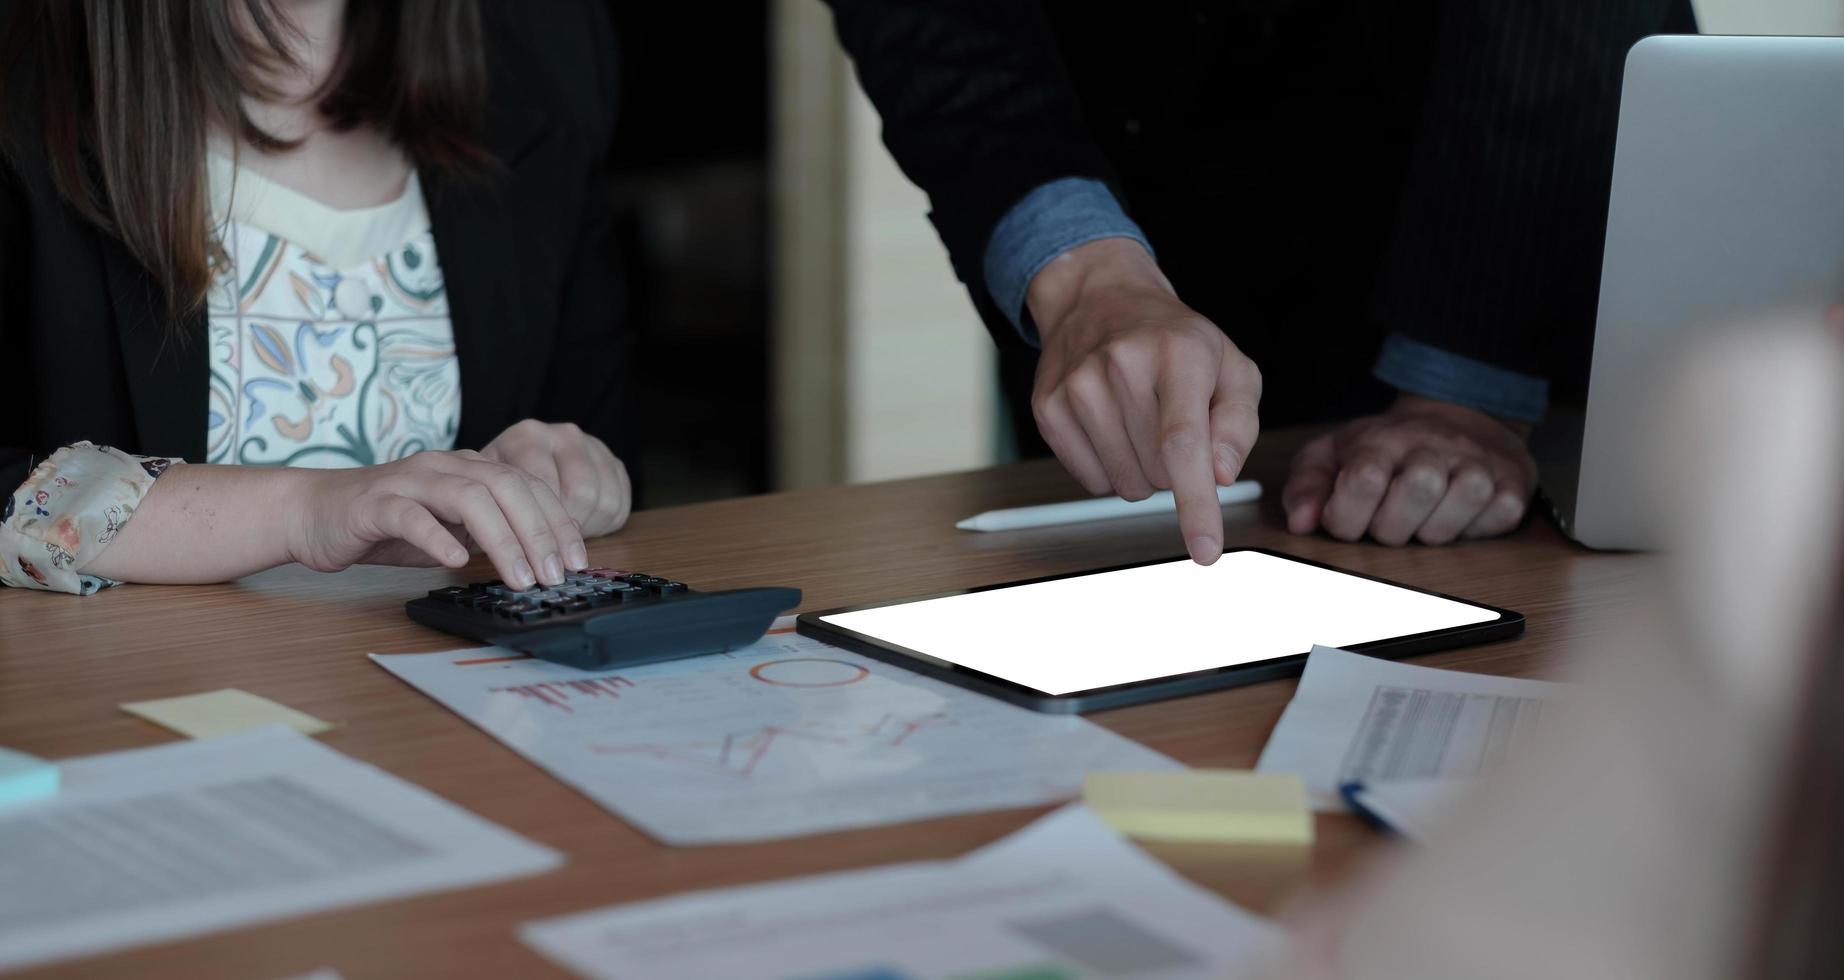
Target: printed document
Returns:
[1064, 898]
[154, 844]
[785, 737]
[1367, 720]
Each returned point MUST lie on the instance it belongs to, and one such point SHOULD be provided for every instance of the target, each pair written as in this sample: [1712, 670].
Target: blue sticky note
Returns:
[25, 777]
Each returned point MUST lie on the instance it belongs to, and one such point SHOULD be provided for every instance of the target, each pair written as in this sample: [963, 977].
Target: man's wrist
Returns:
[1415, 367]
[1106, 264]
[1052, 219]
[1409, 403]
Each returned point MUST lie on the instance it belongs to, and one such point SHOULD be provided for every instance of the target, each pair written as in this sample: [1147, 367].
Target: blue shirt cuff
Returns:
[1052, 219]
[1414, 367]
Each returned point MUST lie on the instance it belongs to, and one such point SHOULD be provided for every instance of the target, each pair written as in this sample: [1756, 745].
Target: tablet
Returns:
[1154, 630]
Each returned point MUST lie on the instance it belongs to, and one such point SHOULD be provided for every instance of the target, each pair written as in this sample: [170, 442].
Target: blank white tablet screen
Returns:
[1135, 624]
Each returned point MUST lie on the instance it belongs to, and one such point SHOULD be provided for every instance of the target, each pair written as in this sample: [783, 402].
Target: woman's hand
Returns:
[576, 466]
[396, 513]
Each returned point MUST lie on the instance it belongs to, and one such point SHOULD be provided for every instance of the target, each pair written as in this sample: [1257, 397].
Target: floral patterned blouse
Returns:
[329, 343]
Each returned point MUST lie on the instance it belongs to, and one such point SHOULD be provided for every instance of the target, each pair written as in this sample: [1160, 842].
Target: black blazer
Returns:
[1311, 173]
[525, 257]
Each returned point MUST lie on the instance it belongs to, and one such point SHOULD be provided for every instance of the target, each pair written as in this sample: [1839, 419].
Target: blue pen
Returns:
[1353, 794]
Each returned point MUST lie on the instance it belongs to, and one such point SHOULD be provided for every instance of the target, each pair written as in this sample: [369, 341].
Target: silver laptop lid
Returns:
[1727, 207]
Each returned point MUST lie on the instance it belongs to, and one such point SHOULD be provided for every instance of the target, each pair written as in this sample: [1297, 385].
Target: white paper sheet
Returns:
[1065, 897]
[785, 737]
[197, 836]
[1364, 719]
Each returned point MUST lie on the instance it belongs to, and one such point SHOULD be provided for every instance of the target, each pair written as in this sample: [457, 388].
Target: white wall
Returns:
[1771, 16]
[919, 367]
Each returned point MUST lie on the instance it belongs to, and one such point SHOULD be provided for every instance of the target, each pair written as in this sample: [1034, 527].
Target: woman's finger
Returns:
[459, 500]
[582, 482]
[616, 497]
[568, 530]
[538, 462]
[623, 497]
[543, 529]
[411, 522]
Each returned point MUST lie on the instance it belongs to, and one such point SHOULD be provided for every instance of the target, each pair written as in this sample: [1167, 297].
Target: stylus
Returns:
[1097, 509]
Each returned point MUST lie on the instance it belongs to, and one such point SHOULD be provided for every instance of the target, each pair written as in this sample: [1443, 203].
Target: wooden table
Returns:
[301, 638]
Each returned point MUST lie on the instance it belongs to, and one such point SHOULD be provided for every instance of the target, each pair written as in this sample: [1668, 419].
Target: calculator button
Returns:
[522, 610]
[667, 588]
[628, 594]
[453, 593]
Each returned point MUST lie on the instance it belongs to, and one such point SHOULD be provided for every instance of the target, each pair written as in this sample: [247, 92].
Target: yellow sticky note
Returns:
[223, 712]
[1217, 805]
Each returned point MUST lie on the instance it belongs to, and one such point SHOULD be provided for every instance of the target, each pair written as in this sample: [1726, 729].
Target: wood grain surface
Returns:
[301, 638]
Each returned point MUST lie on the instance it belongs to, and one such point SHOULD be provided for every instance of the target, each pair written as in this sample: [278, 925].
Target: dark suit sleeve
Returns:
[589, 360]
[1497, 247]
[977, 109]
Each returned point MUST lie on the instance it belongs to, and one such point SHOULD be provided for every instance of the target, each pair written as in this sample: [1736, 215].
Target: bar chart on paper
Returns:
[558, 694]
[785, 737]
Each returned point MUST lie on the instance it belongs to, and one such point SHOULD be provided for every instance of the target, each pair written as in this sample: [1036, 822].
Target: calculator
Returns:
[604, 617]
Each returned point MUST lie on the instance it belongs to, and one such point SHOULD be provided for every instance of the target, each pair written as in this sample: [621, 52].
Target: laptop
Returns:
[1727, 209]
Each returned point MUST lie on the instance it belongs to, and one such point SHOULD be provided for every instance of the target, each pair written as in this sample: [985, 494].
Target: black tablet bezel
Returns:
[1507, 625]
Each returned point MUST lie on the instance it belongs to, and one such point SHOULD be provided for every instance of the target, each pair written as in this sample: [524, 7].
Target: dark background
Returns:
[691, 190]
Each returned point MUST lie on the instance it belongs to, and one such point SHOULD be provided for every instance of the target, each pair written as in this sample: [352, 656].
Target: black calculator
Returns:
[605, 617]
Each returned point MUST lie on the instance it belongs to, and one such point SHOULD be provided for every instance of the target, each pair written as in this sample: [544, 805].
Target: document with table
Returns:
[158, 843]
[1064, 898]
[1367, 720]
[786, 737]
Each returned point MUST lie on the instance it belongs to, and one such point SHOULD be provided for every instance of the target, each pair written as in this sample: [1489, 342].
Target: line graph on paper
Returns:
[785, 737]
[739, 754]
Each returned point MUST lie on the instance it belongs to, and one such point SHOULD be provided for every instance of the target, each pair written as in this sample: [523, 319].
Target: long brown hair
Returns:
[130, 89]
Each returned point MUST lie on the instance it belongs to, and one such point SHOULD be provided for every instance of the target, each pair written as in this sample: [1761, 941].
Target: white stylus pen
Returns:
[1098, 509]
